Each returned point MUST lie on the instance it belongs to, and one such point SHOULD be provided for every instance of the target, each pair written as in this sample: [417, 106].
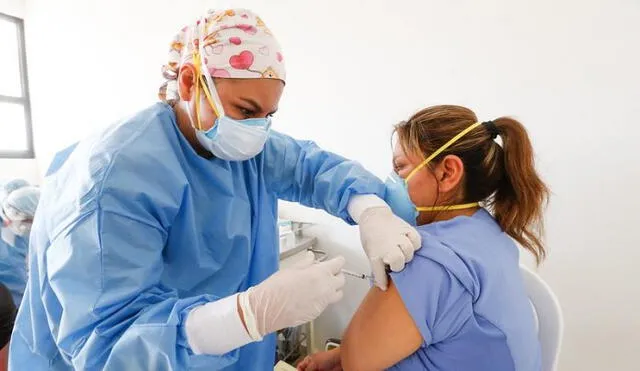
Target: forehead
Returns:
[398, 151]
[399, 154]
[264, 91]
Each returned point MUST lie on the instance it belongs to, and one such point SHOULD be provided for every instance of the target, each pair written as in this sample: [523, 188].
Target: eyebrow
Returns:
[255, 105]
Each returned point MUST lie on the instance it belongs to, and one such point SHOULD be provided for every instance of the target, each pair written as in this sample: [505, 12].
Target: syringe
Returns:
[356, 275]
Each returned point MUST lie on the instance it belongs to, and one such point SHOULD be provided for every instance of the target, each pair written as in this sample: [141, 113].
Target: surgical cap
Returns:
[25, 200]
[11, 186]
[234, 43]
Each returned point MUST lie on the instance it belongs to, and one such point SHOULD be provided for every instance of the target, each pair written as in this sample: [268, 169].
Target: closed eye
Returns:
[246, 112]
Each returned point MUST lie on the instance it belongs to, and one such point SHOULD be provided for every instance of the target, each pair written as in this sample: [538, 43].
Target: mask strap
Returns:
[441, 149]
[201, 81]
[198, 102]
[209, 87]
[449, 207]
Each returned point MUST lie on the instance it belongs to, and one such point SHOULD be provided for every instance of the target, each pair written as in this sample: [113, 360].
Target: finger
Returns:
[302, 366]
[338, 281]
[407, 250]
[306, 261]
[379, 272]
[395, 260]
[334, 265]
[310, 364]
[306, 365]
[336, 296]
[415, 238]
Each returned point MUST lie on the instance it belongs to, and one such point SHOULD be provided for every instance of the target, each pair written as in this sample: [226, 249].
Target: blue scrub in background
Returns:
[13, 263]
[13, 247]
[135, 229]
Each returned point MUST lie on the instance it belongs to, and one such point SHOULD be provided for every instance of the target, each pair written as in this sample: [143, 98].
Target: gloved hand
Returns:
[322, 361]
[294, 296]
[387, 240]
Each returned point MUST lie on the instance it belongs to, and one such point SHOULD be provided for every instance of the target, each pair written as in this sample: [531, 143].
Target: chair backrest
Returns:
[549, 317]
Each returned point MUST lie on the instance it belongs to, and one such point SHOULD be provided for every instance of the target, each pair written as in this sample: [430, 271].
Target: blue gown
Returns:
[13, 263]
[134, 229]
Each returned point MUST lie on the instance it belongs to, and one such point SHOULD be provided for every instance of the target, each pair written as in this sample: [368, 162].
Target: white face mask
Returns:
[16, 221]
[234, 140]
[20, 229]
[228, 139]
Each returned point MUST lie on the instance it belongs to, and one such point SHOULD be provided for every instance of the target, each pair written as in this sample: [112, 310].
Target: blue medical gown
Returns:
[13, 263]
[134, 229]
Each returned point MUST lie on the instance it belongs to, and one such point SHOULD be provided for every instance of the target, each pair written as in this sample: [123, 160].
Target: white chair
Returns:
[549, 317]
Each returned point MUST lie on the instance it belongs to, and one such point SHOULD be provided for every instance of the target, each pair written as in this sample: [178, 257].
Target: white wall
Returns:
[13, 7]
[567, 69]
[17, 168]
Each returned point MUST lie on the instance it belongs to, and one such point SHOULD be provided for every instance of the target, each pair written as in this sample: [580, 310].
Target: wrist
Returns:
[240, 314]
[360, 204]
[215, 327]
[248, 317]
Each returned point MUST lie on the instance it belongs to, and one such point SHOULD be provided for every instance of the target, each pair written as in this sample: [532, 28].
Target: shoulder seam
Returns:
[116, 153]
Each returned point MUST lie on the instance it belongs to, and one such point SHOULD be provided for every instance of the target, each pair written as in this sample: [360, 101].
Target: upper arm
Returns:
[381, 333]
[300, 171]
[116, 258]
[425, 304]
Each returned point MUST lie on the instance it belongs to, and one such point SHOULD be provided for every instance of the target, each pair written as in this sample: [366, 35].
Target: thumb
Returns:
[415, 238]
[379, 271]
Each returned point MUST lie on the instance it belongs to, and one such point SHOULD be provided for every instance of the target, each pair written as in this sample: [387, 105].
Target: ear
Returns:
[186, 81]
[449, 173]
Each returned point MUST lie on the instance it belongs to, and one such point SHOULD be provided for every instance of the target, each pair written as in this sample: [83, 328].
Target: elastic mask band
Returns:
[449, 207]
[442, 149]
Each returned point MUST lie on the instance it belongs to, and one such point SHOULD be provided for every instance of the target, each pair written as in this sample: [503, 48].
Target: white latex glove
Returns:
[288, 298]
[387, 239]
[293, 296]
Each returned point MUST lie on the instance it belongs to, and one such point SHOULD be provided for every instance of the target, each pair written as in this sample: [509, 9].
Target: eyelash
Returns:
[249, 113]
[398, 167]
[246, 112]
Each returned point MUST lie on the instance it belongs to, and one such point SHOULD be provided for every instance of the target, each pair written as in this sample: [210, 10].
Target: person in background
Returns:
[7, 316]
[17, 209]
[461, 303]
[155, 245]
[9, 186]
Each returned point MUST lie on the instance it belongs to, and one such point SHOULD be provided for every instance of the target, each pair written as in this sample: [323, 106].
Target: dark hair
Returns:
[7, 315]
[503, 177]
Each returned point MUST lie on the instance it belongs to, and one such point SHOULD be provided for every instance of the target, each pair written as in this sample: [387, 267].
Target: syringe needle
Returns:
[354, 274]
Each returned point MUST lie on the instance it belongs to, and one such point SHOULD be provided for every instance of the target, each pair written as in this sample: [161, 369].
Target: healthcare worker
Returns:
[17, 208]
[155, 245]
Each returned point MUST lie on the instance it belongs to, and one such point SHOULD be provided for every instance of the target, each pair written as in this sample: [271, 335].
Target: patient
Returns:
[460, 304]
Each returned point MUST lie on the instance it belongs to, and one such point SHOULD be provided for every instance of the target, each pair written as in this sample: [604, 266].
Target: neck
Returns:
[427, 217]
[188, 131]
